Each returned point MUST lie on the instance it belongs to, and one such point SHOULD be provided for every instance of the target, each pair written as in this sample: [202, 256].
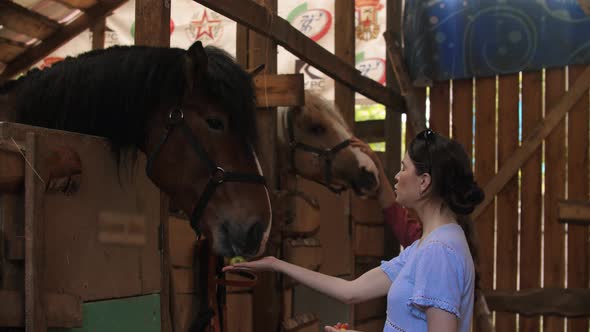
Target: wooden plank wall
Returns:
[577, 241]
[515, 252]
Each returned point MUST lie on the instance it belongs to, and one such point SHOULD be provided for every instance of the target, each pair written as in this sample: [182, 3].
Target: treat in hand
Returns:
[236, 259]
[341, 326]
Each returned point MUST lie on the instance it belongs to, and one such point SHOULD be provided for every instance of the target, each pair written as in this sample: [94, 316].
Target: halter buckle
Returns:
[218, 175]
[175, 116]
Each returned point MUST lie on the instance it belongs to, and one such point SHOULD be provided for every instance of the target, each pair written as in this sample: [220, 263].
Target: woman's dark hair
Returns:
[452, 179]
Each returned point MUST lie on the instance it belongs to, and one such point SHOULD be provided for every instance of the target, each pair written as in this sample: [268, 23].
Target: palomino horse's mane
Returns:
[315, 106]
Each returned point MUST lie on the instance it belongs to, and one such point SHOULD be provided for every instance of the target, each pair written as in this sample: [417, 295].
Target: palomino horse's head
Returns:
[318, 140]
[169, 103]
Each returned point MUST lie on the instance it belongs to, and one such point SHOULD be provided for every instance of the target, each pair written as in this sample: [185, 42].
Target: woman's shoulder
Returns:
[448, 238]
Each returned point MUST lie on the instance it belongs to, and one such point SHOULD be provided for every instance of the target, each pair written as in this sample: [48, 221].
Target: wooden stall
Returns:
[80, 235]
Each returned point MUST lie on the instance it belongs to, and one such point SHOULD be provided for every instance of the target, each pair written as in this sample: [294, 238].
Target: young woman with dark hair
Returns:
[431, 285]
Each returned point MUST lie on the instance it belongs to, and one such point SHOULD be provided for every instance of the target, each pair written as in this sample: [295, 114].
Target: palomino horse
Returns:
[315, 140]
[171, 105]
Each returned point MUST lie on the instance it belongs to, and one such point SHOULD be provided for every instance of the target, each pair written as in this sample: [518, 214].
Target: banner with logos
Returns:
[191, 21]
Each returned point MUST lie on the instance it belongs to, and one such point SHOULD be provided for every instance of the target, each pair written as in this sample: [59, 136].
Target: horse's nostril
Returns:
[366, 179]
[254, 237]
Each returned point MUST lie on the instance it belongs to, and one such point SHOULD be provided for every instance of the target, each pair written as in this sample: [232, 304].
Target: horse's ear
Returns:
[256, 71]
[197, 60]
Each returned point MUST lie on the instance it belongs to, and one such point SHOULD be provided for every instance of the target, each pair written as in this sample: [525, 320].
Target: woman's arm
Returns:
[372, 284]
[439, 320]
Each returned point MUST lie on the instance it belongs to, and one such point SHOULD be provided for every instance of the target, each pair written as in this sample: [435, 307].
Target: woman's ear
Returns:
[425, 182]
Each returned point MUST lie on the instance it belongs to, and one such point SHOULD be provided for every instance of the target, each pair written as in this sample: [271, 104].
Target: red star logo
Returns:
[205, 25]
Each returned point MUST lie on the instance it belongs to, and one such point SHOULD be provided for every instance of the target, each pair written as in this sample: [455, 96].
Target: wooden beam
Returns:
[35, 309]
[370, 131]
[98, 33]
[564, 302]
[533, 141]
[78, 4]
[344, 48]
[10, 49]
[152, 23]
[63, 310]
[416, 118]
[60, 37]
[22, 20]
[574, 212]
[257, 18]
[279, 90]
[12, 171]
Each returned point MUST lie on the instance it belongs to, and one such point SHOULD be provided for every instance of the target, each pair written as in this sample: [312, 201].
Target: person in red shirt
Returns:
[405, 227]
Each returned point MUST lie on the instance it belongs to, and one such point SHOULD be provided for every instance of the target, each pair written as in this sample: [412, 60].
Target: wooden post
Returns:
[152, 22]
[98, 31]
[35, 317]
[152, 28]
[260, 50]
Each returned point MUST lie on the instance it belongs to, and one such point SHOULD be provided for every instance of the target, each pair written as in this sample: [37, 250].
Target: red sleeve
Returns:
[405, 229]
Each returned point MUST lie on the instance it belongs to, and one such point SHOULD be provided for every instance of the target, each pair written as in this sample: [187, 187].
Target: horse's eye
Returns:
[317, 129]
[215, 124]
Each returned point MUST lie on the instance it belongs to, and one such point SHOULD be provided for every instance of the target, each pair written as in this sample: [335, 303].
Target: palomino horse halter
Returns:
[217, 175]
[327, 155]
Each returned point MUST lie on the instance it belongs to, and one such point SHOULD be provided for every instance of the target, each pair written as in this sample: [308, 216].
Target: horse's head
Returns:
[199, 152]
[192, 113]
[318, 138]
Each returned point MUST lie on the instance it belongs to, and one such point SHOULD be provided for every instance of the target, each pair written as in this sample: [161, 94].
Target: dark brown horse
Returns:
[195, 124]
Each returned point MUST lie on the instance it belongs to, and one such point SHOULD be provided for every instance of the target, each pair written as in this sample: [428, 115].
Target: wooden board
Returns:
[564, 302]
[35, 53]
[239, 312]
[140, 313]
[578, 265]
[420, 111]
[80, 262]
[183, 242]
[485, 156]
[152, 23]
[35, 241]
[507, 199]
[440, 108]
[554, 240]
[553, 118]
[334, 228]
[366, 210]
[261, 50]
[370, 131]
[578, 129]
[574, 212]
[21, 20]
[369, 240]
[530, 230]
[462, 110]
[62, 310]
[279, 90]
[10, 49]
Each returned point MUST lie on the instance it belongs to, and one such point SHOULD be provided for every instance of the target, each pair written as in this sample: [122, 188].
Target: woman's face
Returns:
[409, 186]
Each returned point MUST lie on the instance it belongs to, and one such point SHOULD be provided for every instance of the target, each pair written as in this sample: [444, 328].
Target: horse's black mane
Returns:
[112, 92]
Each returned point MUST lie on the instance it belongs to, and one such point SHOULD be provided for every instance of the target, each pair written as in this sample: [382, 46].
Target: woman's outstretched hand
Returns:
[267, 263]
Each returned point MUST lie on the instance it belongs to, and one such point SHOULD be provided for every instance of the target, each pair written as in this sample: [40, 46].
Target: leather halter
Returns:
[217, 175]
[327, 155]
[211, 292]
